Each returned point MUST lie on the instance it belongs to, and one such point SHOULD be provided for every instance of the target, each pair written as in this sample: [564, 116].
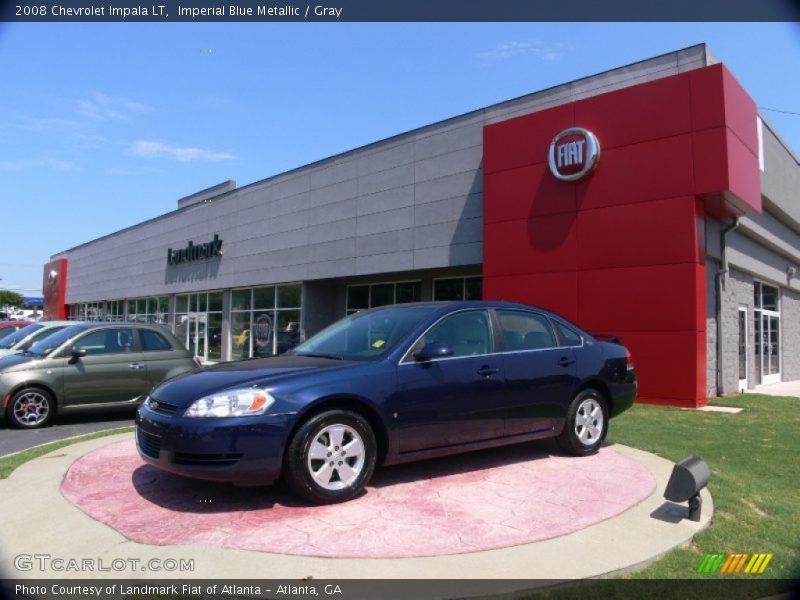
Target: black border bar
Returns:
[275, 11]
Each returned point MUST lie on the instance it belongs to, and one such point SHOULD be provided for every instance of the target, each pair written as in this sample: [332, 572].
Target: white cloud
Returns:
[46, 163]
[535, 48]
[152, 149]
[102, 107]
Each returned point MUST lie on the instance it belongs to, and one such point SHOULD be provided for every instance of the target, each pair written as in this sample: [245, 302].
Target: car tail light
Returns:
[198, 361]
[628, 360]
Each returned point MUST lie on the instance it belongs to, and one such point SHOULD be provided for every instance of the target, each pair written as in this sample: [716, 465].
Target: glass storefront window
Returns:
[264, 297]
[289, 296]
[364, 296]
[454, 289]
[240, 299]
[382, 294]
[357, 297]
[152, 309]
[265, 320]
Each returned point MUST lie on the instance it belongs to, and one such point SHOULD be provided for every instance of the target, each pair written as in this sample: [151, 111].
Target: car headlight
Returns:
[232, 403]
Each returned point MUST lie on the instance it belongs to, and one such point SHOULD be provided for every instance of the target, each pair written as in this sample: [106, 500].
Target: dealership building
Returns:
[652, 202]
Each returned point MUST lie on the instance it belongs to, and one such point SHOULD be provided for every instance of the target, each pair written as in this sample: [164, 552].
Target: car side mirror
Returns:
[77, 352]
[433, 350]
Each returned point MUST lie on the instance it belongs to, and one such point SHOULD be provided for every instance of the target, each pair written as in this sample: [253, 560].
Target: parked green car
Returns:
[23, 338]
[88, 366]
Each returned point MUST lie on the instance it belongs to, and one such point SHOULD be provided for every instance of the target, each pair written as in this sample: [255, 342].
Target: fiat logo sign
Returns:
[573, 154]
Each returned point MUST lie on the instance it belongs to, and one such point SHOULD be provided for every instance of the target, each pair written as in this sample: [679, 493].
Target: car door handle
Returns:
[488, 371]
[565, 362]
[136, 366]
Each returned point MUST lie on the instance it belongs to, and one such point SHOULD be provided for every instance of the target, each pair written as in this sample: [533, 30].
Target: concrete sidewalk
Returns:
[627, 541]
[784, 388]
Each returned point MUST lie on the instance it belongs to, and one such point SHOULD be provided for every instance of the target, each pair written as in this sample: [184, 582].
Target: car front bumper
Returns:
[244, 450]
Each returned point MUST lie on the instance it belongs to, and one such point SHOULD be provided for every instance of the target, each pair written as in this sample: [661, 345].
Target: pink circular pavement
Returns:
[478, 501]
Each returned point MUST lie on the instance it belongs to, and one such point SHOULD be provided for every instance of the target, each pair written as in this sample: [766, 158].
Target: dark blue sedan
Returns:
[386, 386]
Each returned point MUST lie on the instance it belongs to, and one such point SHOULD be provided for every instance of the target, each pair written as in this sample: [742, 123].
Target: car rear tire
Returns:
[331, 457]
[587, 424]
[31, 408]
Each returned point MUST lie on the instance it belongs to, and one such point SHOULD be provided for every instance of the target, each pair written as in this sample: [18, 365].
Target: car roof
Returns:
[446, 306]
[95, 324]
[4, 324]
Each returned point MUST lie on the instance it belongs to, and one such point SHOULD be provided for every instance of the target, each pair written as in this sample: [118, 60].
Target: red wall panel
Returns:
[555, 291]
[649, 298]
[640, 172]
[662, 231]
[638, 114]
[526, 192]
[54, 289]
[623, 250]
[518, 142]
[540, 245]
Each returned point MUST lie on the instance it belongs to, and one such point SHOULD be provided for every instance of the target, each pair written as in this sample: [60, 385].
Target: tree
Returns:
[9, 298]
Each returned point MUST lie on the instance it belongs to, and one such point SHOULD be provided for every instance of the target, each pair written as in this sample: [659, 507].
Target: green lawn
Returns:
[11, 462]
[755, 483]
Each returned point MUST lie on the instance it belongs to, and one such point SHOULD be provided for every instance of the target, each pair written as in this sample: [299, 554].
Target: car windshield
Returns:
[7, 331]
[365, 336]
[46, 345]
[12, 340]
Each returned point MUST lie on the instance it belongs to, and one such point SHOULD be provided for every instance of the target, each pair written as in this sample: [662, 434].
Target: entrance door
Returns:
[743, 337]
[767, 339]
[770, 356]
[197, 335]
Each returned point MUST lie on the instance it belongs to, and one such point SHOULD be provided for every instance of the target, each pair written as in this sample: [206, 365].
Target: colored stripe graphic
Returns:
[734, 563]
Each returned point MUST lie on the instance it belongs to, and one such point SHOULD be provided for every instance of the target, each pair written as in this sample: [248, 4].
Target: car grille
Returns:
[149, 445]
[205, 460]
[165, 408]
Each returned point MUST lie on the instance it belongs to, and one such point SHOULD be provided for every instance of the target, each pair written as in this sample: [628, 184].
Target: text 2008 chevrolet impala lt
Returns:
[385, 386]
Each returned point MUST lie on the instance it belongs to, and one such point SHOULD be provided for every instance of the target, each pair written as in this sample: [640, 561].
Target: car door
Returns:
[111, 371]
[540, 373]
[453, 400]
[160, 358]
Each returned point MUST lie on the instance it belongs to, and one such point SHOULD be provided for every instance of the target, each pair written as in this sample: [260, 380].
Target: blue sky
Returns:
[105, 125]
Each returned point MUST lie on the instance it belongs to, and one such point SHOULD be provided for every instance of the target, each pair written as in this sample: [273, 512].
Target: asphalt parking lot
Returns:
[14, 440]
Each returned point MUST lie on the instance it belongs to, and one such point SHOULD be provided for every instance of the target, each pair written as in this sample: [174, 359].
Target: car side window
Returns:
[107, 341]
[567, 335]
[466, 333]
[43, 333]
[525, 331]
[152, 341]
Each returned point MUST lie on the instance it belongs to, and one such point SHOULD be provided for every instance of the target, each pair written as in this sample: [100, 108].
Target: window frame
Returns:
[463, 279]
[134, 338]
[408, 356]
[350, 311]
[140, 341]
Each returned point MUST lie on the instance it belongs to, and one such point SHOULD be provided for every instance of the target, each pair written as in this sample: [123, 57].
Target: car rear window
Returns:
[567, 335]
[525, 331]
[152, 341]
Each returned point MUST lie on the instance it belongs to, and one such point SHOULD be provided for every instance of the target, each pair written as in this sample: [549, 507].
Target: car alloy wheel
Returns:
[30, 408]
[336, 457]
[586, 424]
[589, 421]
[331, 457]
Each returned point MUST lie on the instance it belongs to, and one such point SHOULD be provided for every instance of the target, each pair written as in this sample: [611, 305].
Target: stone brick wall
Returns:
[790, 327]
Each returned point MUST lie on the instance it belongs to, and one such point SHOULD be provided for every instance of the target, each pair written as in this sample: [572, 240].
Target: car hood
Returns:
[185, 389]
[10, 362]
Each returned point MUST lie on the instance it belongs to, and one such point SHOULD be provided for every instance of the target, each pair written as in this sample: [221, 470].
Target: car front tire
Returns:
[331, 457]
[587, 424]
[31, 408]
